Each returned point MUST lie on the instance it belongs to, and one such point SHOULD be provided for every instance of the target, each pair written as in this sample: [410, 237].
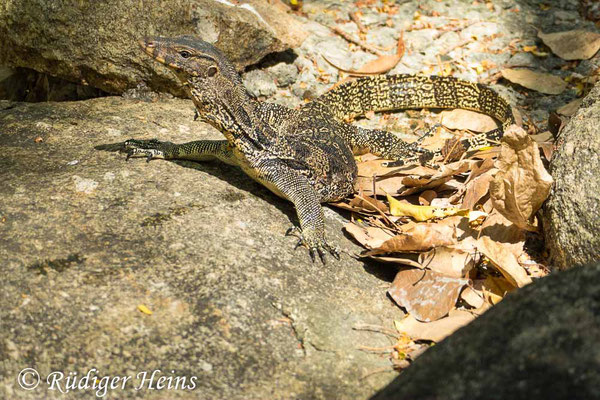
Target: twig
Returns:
[354, 17]
[377, 371]
[360, 43]
[457, 45]
[376, 328]
[379, 211]
[387, 349]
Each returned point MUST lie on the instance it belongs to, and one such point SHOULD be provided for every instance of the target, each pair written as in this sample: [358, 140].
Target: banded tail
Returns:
[394, 92]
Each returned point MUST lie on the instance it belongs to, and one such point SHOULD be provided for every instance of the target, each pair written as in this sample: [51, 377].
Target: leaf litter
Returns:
[456, 231]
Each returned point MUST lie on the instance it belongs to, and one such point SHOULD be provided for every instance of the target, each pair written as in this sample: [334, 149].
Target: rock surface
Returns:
[572, 212]
[95, 43]
[88, 237]
[541, 342]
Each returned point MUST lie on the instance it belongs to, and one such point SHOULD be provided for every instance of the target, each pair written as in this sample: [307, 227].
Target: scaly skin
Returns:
[302, 155]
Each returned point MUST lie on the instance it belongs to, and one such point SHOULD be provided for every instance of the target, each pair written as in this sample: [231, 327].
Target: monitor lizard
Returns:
[304, 155]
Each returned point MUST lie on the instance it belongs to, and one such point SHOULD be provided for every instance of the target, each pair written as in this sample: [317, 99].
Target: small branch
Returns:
[354, 17]
[360, 43]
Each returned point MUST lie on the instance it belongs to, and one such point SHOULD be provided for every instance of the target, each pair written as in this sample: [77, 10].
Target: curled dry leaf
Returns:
[452, 262]
[419, 237]
[440, 177]
[503, 260]
[397, 260]
[522, 183]
[426, 294]
[381, 65]
[436, 330]
[535, 80]
[572, 45]
[469, 120]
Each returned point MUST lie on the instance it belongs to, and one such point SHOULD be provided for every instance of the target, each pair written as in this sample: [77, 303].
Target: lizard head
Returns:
[209, 78]
[187, 56]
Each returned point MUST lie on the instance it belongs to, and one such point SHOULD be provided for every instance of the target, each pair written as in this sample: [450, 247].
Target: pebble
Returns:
[284, 74]
[259, 83]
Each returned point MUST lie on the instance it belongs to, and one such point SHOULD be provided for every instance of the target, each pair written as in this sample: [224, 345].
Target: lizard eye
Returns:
[185, 54]
[212, 71]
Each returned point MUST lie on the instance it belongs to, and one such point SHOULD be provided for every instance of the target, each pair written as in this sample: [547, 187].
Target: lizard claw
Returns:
[316, 246]
[150, 149]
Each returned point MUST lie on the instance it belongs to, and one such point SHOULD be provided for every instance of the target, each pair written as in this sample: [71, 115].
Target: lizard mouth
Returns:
[150, 46]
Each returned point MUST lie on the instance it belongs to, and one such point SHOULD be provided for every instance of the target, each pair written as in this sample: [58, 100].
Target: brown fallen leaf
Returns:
[572, 45]
[441, 177]
[501, 230]
[477, 189]
[437, 330]
[495, 288]
[419, 237]
[426, 197]
[370, 237]
[387, 180]
[469, 120]
[539, 81]
[504, 261]
[397, 260]
[570, 108]
[426, 294]
[472, 297]
[522, 183]
[369, 204]
[380, 65]
[452, 262]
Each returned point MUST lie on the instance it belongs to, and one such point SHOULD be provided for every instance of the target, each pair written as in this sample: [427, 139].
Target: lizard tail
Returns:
[393, 92]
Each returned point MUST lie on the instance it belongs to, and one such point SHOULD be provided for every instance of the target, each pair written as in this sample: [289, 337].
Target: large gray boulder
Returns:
[572, 212]
[86, 238]
[95, 42]
[539, 343]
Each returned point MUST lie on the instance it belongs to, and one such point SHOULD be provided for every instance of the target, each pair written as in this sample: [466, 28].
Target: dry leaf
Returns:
[437, 330]
[369, 204]
[501, 230]
[477, 189]
[504, 261]
[144, 309]
[420, 237]
[425, 294]
[378, 66]
[522, 183]
[444, 175]
[535, 80]
[495, 288]
[472, 297]
[397, 260]
[370, 237]
[455, 263]
[572, 45]
[570, 108]
[426, 197]
[421, 213]
[469, 120]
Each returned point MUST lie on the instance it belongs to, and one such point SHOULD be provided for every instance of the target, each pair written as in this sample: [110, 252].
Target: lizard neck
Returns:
[232, 111]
